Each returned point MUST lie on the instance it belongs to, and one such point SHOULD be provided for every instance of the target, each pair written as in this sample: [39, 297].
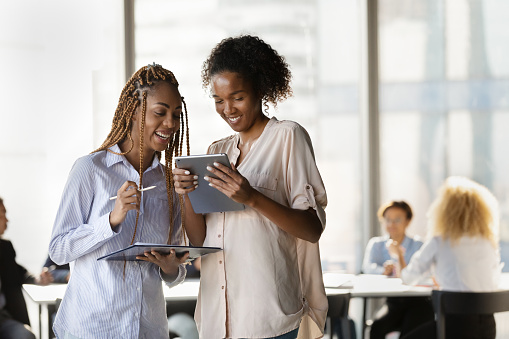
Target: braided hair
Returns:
[133, 95]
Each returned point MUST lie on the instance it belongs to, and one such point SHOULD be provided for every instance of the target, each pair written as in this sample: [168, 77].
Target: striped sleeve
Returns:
[72, 236]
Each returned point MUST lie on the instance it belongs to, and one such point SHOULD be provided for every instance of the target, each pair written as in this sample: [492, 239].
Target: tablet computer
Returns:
[130, 252]
[207, 199]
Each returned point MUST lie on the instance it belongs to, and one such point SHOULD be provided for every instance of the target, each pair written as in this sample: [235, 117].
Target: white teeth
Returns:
[164, 136]
[234, 119]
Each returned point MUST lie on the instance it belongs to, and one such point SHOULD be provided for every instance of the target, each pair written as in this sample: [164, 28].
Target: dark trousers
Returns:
[459, 326]
[402, 314]
[13, 329]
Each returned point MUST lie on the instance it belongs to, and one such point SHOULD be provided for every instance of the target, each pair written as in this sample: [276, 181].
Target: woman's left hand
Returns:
[168, 263]
[231, 183]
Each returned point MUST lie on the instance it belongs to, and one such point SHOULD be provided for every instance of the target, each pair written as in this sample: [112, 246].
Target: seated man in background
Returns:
[60, 274]
[14, 323]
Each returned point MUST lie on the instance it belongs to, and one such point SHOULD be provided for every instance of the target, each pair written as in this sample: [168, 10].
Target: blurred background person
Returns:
[60, 274]
[401, 314]
[464, 221]
[181, 324]
[14, 321]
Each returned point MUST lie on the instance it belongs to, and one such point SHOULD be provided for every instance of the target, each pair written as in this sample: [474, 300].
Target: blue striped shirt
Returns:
[99, 301]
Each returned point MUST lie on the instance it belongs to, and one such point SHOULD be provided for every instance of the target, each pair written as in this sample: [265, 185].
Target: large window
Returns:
[444, 97]
[444, 94]
[320, 41]
[62, 72]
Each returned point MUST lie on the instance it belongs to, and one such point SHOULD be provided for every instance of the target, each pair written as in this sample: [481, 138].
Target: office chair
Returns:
[338, 310]
[466, 303]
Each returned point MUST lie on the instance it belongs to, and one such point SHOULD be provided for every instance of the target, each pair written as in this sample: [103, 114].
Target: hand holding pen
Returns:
[128, 198]
[142, 190]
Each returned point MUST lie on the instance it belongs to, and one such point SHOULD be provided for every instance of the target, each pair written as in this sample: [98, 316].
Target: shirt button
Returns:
[137, 289]
[136, 314]
[222, 287]
[220, 261]
[219, 235]
[105, 236]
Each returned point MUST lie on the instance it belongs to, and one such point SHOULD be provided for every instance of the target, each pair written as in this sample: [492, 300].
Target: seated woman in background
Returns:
[401, 314]
[464, 220]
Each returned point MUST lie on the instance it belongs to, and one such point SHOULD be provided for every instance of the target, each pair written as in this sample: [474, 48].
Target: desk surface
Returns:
[359, 286]
[372, 286]
[363, 286]
[45, 294]
[49, 294]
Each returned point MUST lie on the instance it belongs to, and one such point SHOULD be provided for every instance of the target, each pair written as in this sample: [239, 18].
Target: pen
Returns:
[143, 189]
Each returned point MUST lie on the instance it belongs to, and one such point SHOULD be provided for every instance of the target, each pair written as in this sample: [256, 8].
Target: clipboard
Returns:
[130, 252]
[207, 199]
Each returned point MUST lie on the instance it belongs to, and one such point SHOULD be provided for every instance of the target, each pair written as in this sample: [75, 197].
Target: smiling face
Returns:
[396, 222]
[236, 102]
[3, 219]
[162, 118]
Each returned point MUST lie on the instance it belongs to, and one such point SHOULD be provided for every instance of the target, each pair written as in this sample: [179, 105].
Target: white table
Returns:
[43, 296]
[363, 286]
[368, 286]
[359, 286]
[373, 286]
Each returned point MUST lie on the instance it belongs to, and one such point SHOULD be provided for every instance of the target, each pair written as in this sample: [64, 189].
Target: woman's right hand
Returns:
[184, 181]
[394, 248]
[128, 198]
[389, 268]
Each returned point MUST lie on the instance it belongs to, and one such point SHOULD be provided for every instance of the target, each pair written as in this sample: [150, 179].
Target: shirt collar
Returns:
[112, 158]
[405, 242]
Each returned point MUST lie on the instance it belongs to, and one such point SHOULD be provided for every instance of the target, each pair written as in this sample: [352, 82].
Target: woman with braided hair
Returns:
[124, 299]
[267, 281]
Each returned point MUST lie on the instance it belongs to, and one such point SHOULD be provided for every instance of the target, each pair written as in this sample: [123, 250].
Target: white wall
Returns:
[62, 72]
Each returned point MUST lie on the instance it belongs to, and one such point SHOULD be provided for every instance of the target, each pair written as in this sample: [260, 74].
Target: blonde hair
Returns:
[133, 95]
[464, 208]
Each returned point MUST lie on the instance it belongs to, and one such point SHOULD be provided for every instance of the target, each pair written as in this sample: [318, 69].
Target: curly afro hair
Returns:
[256, 61]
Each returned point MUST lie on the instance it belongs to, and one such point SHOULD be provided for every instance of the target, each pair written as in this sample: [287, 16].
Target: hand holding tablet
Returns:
[207, 199]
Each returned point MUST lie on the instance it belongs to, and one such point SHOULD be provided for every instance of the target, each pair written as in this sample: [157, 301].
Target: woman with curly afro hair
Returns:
[267, 281]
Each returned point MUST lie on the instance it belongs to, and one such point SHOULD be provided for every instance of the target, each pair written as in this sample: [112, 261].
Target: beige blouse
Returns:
[265, 282]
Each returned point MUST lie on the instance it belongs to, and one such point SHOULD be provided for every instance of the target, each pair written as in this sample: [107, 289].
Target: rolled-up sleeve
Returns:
[177, 281]
[303, 181]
